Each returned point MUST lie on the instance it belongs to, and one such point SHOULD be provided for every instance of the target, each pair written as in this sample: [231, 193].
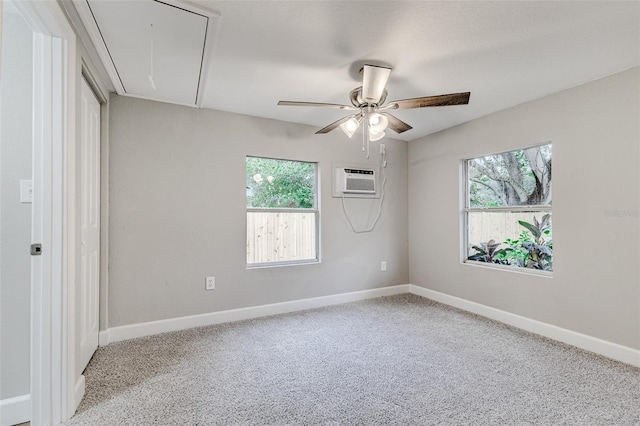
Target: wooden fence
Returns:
[280, 236]
[498, 226]
[286, 236]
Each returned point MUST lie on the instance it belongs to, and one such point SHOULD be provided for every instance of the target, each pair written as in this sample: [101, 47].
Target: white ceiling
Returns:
[156, 48]
[504, 53]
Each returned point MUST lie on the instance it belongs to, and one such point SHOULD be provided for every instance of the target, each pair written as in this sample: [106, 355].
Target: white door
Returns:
[89, 274]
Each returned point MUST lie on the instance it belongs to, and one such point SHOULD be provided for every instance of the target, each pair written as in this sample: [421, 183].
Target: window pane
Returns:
[513, 178]
[511, 238]
[284, 230]
[281, 236]
[280, 183]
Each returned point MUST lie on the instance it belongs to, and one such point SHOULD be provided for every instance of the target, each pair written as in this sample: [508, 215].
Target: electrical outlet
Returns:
[210, 283]
[383, 265]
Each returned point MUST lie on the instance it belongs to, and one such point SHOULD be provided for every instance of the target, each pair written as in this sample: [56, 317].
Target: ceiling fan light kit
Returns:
[350, 126]
[369, 100]
[378, 123]
[374, 137]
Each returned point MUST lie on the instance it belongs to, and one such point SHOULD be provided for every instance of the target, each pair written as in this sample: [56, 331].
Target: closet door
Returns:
[89, 201]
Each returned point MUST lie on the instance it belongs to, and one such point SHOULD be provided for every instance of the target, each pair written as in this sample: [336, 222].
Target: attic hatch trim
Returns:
[210, 31]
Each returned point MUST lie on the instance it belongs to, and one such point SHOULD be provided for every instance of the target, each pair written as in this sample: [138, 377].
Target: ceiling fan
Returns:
[369, 100]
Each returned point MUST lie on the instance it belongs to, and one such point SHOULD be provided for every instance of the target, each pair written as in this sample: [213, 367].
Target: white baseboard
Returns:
[103, 337]
[15, 410]
[79, 392]
[583, 341]
[132, 331]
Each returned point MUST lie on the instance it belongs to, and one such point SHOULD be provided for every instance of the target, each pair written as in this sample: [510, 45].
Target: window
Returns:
[282, 212]
[508, 209]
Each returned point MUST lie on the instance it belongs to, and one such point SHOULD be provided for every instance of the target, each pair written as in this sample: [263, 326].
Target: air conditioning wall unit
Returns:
[355, 180]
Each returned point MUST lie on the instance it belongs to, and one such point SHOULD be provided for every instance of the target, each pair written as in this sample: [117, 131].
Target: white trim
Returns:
[104, 337]
[85, 40]
[583, 341]
[79, 392]
[315, 210]
[40, 267]
[589, 343]
[68, 165]
[508, 268]
[86, 17]
[15, 410]
[104, 216]
[154, 99]
[132, 331]
[529, 208]
[52, 297]
[93, 82]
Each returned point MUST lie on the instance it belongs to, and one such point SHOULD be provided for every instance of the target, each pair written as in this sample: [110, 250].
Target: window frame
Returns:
[315, 210]
[466, 210]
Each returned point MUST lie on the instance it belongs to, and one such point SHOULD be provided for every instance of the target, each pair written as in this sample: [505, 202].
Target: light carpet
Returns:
[400, 360]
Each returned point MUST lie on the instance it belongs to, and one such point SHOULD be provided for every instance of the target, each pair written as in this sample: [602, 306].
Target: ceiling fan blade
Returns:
[433, 101]
[335, 125]
[317, 104]
[396, 124]
[374, 79]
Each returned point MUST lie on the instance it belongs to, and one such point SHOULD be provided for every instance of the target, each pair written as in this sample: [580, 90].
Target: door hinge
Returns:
[36, 249]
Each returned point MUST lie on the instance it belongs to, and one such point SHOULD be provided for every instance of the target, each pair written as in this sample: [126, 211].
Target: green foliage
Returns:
[540, 250]
[518, 254]
[513, 178]
[533, 248]
[489, 252]
[280, 183]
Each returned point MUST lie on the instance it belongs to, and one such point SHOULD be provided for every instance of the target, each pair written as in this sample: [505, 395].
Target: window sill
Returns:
[506, 268]
[281, 264]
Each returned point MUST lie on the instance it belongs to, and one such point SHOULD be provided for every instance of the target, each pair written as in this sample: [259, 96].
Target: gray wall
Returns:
[15, 217]
[177, 213]
[595, 131]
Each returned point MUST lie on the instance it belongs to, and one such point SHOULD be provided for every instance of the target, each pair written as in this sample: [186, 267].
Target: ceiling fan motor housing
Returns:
[358, 101]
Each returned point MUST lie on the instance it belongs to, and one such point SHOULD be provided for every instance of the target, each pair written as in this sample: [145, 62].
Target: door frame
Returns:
[54, 216]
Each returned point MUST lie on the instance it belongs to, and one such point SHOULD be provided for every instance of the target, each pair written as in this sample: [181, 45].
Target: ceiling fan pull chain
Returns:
[368, 126]
[368, 143]
[364, 132]
[151, 61]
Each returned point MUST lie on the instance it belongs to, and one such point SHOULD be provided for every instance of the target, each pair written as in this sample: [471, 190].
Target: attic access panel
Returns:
[151, 49]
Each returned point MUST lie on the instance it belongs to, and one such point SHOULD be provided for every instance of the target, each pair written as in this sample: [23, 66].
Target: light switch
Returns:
[26, 191]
